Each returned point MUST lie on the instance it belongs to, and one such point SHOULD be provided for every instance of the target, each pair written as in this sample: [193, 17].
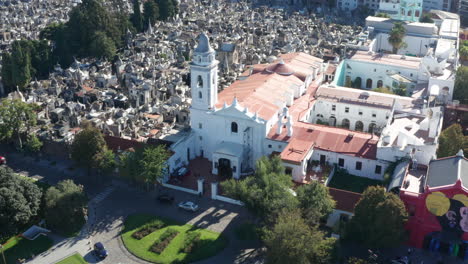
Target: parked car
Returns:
[100, 250]
[2, 160]
[165, 198]
[189, 206]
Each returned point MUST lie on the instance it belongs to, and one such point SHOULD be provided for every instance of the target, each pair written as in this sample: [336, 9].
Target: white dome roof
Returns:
[203, 44]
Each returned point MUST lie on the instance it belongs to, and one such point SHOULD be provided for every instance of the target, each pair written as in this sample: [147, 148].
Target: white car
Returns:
[189, 206]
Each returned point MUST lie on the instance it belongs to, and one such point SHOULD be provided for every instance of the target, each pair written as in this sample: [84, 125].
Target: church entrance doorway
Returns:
[224, 167]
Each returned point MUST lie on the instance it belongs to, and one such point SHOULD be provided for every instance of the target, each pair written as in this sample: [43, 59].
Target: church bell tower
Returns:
[204, 75]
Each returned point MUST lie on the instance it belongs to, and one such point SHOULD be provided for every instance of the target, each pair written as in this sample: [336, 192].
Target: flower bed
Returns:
[190, 242]
[164, 240]
[148, 229]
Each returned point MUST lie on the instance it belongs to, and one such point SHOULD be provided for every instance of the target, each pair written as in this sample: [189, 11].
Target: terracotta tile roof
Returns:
[345, 200]
[267, 88]
[338, 140]
[388, 59]
[262, 92]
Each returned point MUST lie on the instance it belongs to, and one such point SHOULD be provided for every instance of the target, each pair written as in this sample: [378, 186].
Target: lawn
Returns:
[210, 242]
[21, 248]
[345, 181]
[73, 259]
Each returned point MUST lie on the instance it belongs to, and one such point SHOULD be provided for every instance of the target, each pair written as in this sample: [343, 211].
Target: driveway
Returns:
[213, 215]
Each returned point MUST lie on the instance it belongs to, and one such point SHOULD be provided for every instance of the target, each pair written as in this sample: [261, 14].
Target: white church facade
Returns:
[273, 110]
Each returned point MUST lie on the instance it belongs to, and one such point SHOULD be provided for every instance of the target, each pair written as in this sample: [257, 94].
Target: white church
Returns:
[273, 109]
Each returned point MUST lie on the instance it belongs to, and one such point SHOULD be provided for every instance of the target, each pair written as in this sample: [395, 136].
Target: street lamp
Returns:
[3, 254]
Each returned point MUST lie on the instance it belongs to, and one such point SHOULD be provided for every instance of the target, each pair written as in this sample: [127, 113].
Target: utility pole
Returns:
[3, 254]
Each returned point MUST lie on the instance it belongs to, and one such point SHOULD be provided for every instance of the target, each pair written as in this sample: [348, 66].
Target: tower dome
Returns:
[203, 44]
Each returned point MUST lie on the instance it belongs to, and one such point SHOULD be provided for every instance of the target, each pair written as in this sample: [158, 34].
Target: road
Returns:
[111, 204]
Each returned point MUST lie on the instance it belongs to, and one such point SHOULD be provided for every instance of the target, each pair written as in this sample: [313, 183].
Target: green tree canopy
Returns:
[265, 193]
[87, 145]
[379, 219]
[33, 144]
[102, 46]
[105, 161]
[460, 90]
[147, 165]
[315, 202]
[28, 59]
[426, 18]
[20, 201]
[291, 240]
[396, 36]
[150, 13]
[136, 17]
[16, 117]
[167, 9]
[451, 140]
[65, 207]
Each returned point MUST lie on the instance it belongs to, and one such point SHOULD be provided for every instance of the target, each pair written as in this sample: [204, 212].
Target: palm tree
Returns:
[396, 36]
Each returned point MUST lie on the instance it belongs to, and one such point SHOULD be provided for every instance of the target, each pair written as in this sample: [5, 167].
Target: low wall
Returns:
[227, 200]
[215, 196]
[178, 188]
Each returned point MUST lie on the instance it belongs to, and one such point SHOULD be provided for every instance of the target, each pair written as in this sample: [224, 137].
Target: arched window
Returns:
[369, 83]
[409, 13]
[234, 127]
[416, 14]
[359, 126]
[200, 95]
[402, 12]
[379, 83]
[357, 82]
[199, 81]
[345, 123]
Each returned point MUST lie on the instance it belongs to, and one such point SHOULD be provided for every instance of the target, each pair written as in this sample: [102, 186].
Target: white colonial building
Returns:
[282, 108]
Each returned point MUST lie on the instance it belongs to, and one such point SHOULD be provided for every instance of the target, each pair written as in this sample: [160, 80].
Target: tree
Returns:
[16, 117]
[105, 161]
[451, 140]
[20, 66]
[379, 219]
[265, 193]
[33, 144]
[65, 207]
[150, 13]
[426, 18]
[461, 82]
[87, 144]
[136, 18]
[315, 202]
[20, 201]
[154, 163]
[166, 9]
[463, 50]
[7, 76]
[396, 36]
[102, 46]
[291, 240]
[129, 167]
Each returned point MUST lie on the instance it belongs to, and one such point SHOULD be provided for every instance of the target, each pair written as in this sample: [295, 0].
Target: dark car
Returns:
[2, 160]
[165, 198]
[100, 250]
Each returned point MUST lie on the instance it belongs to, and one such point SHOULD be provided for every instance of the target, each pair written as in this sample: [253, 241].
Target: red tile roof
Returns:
[338, 140]
[120, 144]
[345, 200]
[266, 89]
